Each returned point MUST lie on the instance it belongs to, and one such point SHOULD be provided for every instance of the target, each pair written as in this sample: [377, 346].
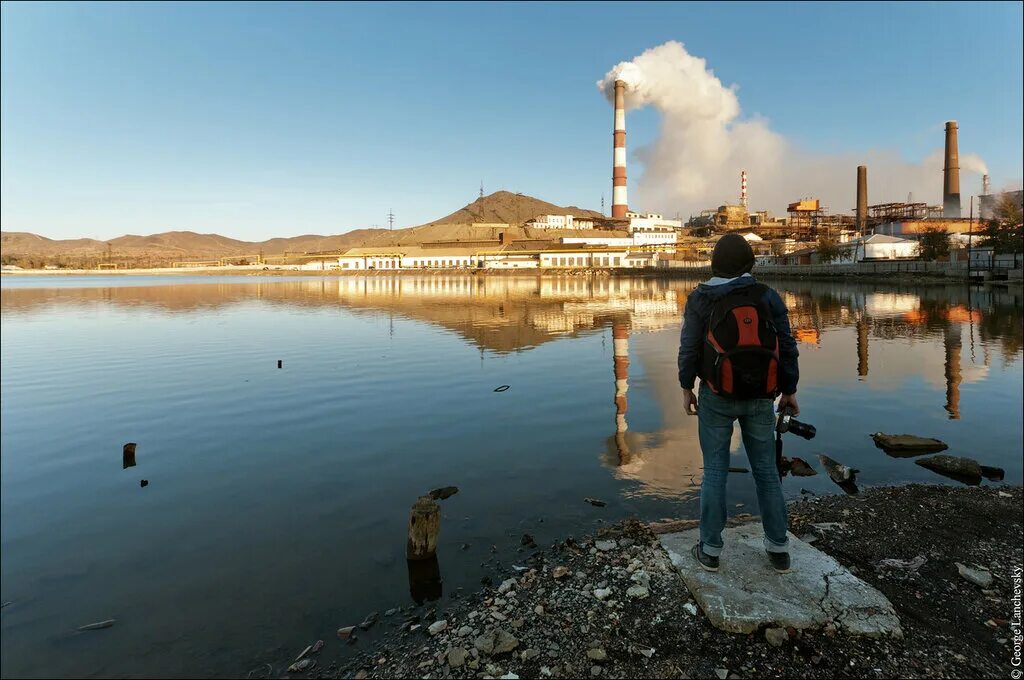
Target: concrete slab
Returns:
[746, 594]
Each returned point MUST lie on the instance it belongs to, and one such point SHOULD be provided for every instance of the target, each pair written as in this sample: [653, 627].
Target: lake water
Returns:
[277, 500]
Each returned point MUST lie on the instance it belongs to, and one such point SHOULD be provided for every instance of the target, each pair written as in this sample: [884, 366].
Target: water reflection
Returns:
[388, 385]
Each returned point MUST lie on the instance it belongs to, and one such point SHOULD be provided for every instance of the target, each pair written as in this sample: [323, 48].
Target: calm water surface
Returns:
[277, 500]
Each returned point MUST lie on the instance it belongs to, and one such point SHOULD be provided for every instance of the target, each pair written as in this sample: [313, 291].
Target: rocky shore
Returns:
[611, 605]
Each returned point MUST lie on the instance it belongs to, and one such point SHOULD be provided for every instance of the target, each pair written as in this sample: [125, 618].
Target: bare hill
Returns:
[507, 207]
[501, 207]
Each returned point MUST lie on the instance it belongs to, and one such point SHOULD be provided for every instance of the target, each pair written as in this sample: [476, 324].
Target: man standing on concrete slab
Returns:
[736, 337]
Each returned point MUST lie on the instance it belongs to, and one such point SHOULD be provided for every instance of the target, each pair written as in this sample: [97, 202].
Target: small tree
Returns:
[934, 244]
[1003, 232]
[828, 249]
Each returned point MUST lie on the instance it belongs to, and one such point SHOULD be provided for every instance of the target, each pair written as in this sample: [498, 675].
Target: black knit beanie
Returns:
[732, 257]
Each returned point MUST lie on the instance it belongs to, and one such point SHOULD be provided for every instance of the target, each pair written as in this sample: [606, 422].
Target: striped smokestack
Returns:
[951, 174]
[743, 188]
[862, 198]
[620, 348]
[984, 185]
[619, 203]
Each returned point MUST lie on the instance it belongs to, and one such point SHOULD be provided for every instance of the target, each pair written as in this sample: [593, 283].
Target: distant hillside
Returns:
[168, 246]
[32, 250]
[505, 206]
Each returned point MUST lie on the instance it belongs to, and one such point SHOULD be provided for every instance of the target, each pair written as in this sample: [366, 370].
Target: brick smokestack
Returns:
[743, 188]
[951, 174]
[862, 198]
[984, 185]
[619, 203]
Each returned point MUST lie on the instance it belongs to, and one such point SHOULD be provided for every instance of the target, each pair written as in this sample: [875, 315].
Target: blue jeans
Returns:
[715, 416]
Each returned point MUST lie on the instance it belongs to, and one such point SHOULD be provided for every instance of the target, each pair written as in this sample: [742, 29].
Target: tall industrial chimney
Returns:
[862, 198]
[951, 174]
[743, 188]
[984, 185]
[619, 203]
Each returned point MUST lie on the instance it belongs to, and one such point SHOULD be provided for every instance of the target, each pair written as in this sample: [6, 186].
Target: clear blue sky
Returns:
[256, 120]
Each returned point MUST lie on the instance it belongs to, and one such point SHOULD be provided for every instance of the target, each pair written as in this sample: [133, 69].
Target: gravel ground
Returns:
[611, 606]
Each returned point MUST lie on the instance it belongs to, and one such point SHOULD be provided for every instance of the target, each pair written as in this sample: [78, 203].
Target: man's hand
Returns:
[689, 402]
[789, 400]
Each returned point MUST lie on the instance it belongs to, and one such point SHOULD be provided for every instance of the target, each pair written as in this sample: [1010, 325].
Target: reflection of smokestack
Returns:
[984, 185]
[952, 345]
[862, 198]
[951, 174]
[862, 348]
[743, 188]
[619, 203]
[620, 344]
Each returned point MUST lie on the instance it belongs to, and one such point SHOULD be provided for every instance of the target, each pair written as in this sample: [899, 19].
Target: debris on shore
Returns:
[612, 606]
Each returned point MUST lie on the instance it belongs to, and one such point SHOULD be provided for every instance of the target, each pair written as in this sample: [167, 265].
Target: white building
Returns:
[651, 221]
[561, 222]
[582, 259]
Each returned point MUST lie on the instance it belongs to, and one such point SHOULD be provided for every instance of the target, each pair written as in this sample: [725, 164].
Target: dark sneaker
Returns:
[780, 562]
[707, 562]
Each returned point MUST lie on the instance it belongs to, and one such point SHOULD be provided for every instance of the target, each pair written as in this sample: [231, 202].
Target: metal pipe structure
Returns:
[862, 198]
[951, 174]
[619, 202]
[743, 188]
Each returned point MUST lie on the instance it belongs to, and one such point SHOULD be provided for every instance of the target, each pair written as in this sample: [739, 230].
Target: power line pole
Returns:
[391, 220]
[481, 188]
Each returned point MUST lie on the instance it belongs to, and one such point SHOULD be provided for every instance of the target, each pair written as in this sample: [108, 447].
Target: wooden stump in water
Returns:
[128, 455]
[424, 526]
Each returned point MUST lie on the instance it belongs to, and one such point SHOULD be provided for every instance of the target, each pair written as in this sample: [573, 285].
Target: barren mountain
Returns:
[502, 207]
[507, 207]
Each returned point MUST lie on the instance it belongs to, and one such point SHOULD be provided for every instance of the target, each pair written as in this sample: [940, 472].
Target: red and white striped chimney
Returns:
[619, 203]
[743, 188]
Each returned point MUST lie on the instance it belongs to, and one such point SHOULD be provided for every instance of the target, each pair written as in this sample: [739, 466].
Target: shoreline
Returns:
[544, 621]
[677, 273]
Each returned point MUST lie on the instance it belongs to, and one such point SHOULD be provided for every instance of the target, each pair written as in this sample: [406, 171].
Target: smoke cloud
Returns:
[703, 143]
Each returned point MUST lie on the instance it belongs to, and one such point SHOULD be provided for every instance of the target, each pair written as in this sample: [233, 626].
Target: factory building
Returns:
[560, 222]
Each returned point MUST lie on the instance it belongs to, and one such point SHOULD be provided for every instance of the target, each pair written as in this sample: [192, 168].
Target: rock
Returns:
[690, 608]
[528, 541]
[528, 654]
[994, 474]
[595, 502]
[457, 657]
[539, 610]
[776, 637]
[509, 676]
[649, 652]
[800, 468]
[484, 643]
[839, 473]
[504, 642]
[443, 493]
[437, 627]
[301, 666]
[605, 546]
[602, 593]
[368, 622]
[641, 577]
[1003, 494]
[964, 469]
[559, 572]
[597, 654]
[905, 565]
[464, 631]
[637, 592]
[907, 444]
[595, 671]
[979, 577]
[722, 673]
[507, 585]
[748, 596]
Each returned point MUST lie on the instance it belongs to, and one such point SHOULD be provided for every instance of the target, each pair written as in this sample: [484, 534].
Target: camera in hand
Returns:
[787, 423]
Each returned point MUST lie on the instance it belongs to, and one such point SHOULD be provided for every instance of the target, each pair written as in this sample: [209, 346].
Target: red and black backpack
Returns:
[740, 357]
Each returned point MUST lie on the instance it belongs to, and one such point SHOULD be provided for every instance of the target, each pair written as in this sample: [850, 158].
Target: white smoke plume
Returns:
[695, 161]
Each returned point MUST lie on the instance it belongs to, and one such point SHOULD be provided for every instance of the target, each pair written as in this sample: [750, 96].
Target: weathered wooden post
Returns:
[424, 526]
[128, 455]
